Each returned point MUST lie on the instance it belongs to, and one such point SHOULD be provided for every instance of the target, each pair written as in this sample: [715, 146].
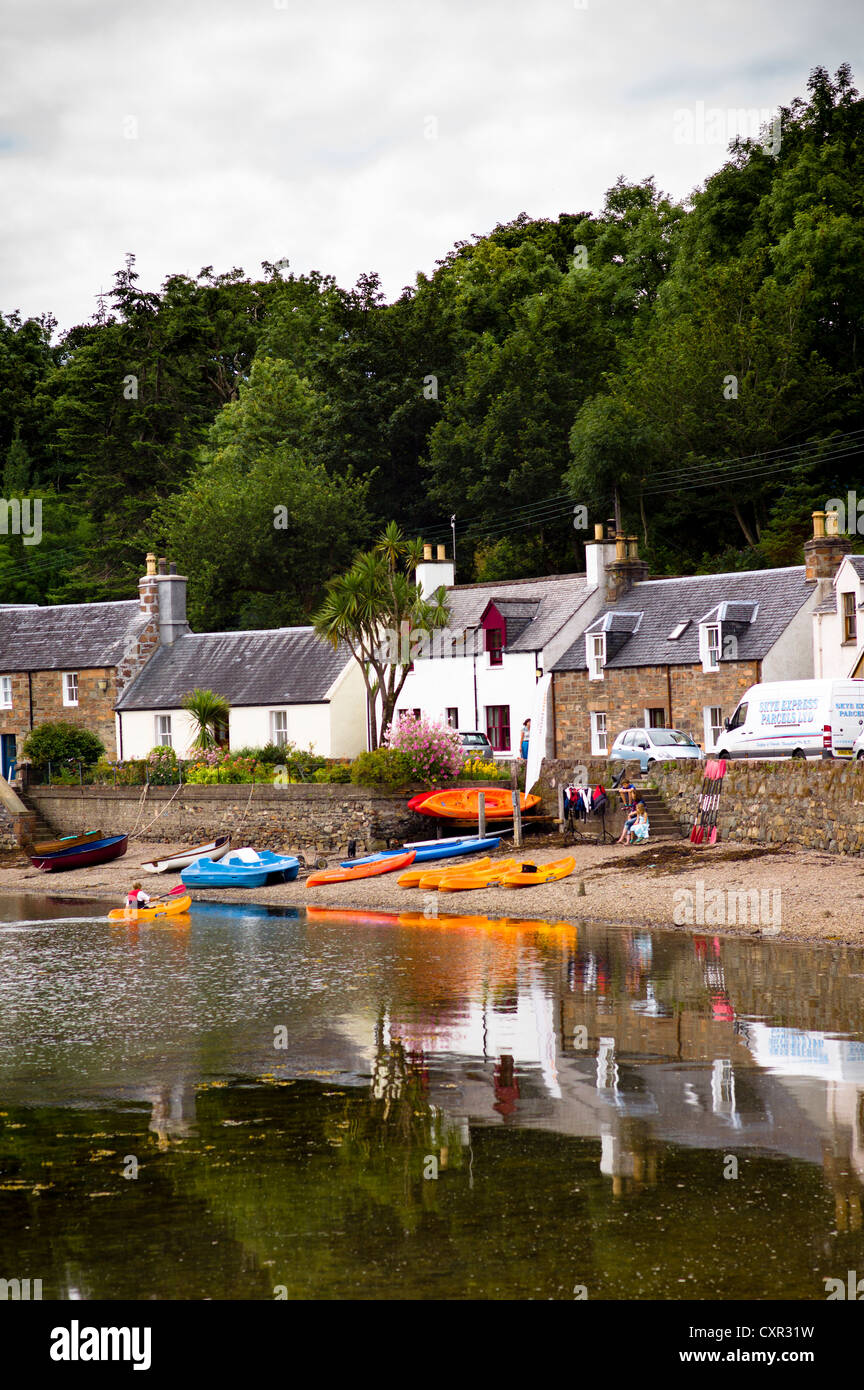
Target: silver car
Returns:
[653, 746]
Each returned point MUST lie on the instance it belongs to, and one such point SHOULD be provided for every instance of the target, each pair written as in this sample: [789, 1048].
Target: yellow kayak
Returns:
[529, 875]
[454, 882]
[175, 908]
[414, 878]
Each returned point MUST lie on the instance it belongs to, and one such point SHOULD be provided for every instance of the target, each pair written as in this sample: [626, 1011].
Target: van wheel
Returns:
[652, 762]
[859, 756]
[799, 754]
[723, 755]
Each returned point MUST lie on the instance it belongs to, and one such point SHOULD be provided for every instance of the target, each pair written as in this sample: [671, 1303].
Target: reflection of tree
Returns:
[629, 1157]
[393, 1138]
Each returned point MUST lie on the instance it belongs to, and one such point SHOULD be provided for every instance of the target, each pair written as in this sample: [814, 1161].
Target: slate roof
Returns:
[663, 603]
[535, 609]
[278, 666]
[857, 562]
[67, 636]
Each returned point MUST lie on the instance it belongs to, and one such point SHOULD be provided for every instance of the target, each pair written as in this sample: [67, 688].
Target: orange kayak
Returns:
[460, 803]
[414, 877]
[481, 878]
[529, 875]
[370, 870]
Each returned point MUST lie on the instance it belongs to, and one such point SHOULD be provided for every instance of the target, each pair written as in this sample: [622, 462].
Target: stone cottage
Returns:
[679, 653]
[73, 661]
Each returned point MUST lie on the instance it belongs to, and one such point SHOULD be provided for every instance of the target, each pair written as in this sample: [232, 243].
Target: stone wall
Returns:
[682, 692]
[815, 804]
[300, 816]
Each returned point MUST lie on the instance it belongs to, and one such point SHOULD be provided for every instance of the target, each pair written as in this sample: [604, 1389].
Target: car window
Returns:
[665, 738]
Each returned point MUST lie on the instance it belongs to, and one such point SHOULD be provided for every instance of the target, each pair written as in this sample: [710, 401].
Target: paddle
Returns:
[181, 888]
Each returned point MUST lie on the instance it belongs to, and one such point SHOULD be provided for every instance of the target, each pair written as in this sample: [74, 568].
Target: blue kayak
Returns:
[246, 868]
[435, 849]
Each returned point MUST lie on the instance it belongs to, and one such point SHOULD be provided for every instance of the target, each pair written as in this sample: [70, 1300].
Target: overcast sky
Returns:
[359, 136]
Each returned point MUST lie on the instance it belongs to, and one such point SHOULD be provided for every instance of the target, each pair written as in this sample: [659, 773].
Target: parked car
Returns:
[476, 745]
[796, 719]
[653, 746]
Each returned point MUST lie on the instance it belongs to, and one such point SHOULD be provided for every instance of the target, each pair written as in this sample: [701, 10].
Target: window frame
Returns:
[70, 678]
[451, 716]
[505, 745]
[5, 683]
[495, 649]
[599, 732]
[652, 710]
[278, 737]
[712, 740]
[849, 615]
[711, 653]
[596, 655]
[159, 733]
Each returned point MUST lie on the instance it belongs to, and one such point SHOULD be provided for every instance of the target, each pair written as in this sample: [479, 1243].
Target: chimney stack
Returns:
[431, 574]
[599, 555]
[172, 604]
[626, 570]
[825, 549]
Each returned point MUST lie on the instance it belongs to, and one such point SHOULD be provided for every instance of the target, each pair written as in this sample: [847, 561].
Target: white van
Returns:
[795, 719]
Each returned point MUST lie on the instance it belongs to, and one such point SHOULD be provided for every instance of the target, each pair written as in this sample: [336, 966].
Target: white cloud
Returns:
[301, 131]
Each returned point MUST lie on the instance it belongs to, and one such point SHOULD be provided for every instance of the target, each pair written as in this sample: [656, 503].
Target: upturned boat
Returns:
[82, 856]
[370, 870]
[435, 849]
[460, 803]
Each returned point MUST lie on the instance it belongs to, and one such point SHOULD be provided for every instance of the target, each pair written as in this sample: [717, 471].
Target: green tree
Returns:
[207, 711]
[379, 612]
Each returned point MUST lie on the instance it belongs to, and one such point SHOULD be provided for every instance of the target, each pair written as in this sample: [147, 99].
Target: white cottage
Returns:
[483, 672]
[838, 623]
[284, 685]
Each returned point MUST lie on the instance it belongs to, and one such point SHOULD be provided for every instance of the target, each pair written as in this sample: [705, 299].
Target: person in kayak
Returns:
[136, 897]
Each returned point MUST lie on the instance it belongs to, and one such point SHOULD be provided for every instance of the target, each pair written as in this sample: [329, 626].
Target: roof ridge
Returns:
[538, 579]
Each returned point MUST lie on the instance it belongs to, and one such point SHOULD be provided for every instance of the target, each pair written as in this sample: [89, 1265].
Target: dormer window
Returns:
[596, 655]
[677, 630]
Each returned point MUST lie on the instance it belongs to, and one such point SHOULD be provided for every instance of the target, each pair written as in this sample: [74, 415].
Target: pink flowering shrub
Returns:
[434, 751]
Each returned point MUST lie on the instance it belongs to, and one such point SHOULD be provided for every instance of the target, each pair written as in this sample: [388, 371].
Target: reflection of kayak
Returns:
[369, 870]
[529, 875]
[175, 908]
[436, 849]
[460, 803]
[419, 919]
[414, 876]
[347, 914]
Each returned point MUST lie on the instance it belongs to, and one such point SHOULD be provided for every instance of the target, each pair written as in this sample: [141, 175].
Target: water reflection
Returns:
[492, 1108]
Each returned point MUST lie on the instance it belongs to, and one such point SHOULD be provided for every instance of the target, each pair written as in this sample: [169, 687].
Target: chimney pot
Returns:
[832, 524]
[172, 568]
[598, 531]
[620, 547]
[151, 563]
[818, 525]
[427, 552]
[163, 565]
[442, 552]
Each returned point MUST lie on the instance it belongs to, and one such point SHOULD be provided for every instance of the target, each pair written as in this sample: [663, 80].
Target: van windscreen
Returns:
[738, 717]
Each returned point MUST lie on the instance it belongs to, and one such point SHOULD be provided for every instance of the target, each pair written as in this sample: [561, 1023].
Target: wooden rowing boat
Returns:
[179, 859]
[66, 842]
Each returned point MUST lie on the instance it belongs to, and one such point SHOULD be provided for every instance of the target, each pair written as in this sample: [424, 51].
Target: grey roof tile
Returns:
[663, 603]
[279, 666]
[553, 600]
[67, 636]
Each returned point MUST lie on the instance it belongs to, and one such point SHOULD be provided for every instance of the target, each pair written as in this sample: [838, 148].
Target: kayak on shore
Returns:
[366, 870]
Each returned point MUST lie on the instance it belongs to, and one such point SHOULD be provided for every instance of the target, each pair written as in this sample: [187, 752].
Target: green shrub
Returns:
[56, 742]
[387, 767]
[335, 772]
[162, 767]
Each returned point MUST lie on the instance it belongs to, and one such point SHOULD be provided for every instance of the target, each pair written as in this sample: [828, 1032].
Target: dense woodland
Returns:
[525, 376]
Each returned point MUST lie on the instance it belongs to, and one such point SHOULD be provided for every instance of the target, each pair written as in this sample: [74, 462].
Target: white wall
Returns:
[832, 657]
[139, 732]
[348, 729]
[791, 657]
[248, 726]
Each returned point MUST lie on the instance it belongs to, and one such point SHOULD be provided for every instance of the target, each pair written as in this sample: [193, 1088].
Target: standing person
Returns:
[525, 736]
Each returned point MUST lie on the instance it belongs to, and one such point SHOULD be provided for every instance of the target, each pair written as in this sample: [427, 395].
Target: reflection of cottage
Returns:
[680, 653]
[284, 685]
[71, 661]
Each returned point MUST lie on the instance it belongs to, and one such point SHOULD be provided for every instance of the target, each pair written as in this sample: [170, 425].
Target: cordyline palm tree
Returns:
[378, 611]
[207, 711]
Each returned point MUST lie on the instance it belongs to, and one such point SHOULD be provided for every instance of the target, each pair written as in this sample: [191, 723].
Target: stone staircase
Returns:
[33, 824]
[664, 826]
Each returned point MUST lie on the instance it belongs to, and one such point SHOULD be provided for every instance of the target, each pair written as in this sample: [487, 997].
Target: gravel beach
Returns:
[802, 895]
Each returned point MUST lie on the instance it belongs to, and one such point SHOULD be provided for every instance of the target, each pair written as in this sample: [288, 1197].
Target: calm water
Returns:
[362, 1106]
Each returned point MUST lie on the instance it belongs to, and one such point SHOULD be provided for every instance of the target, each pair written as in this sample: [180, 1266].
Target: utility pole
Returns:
[453, 532]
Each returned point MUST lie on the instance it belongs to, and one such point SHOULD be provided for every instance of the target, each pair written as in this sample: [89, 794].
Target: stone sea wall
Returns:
[300, 816]
[815, 804]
